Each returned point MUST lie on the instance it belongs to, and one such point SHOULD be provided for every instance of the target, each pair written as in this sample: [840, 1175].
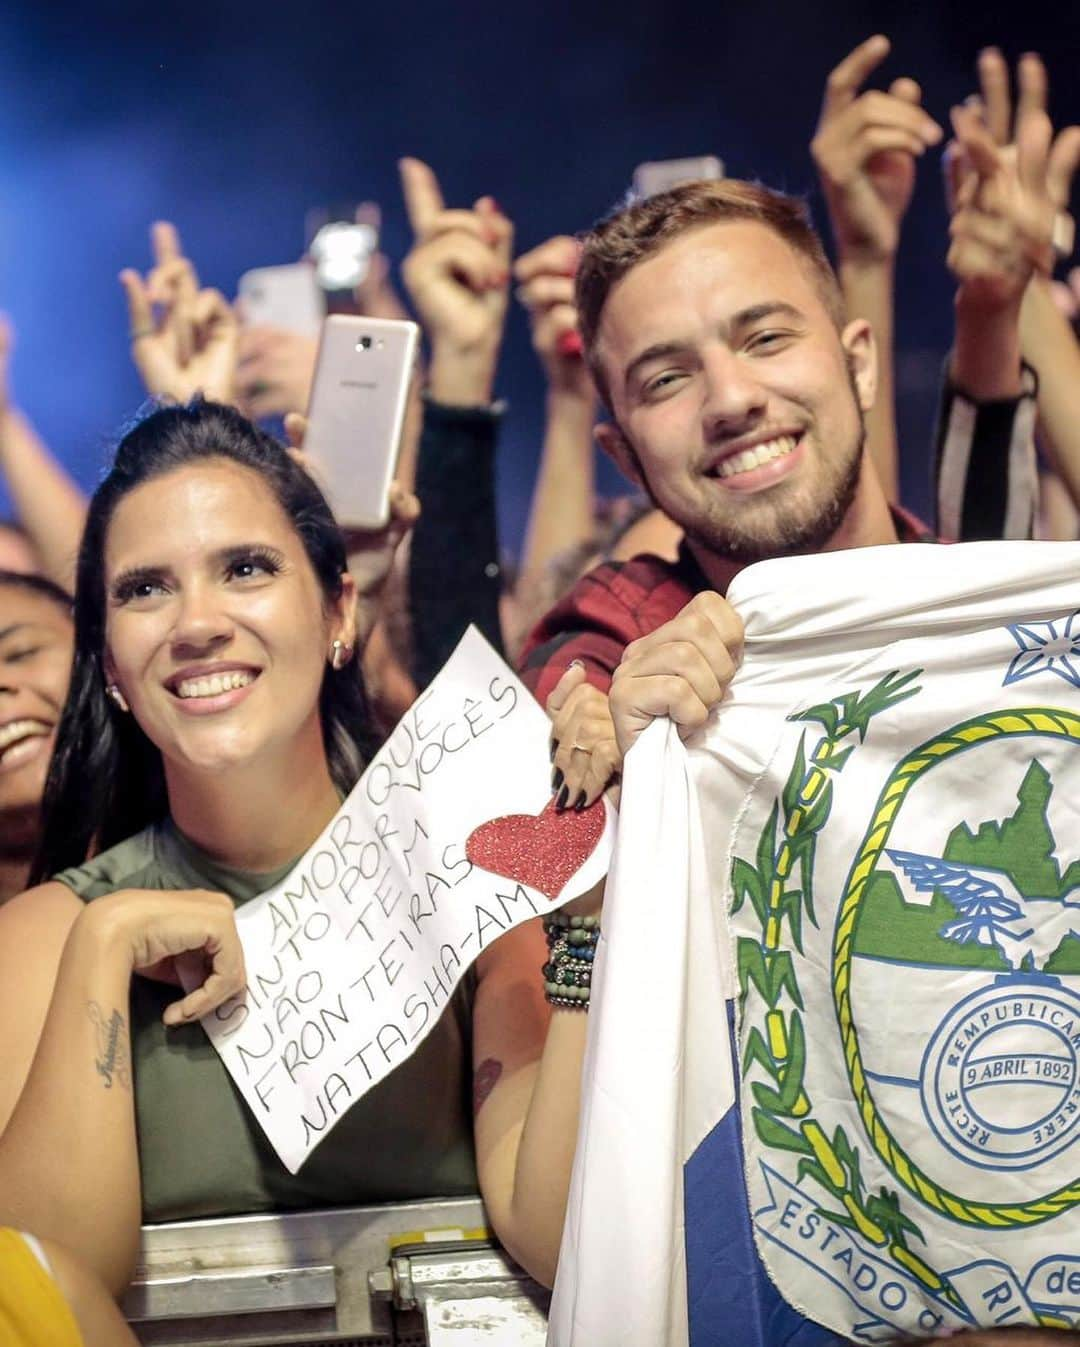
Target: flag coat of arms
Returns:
[832, 1085]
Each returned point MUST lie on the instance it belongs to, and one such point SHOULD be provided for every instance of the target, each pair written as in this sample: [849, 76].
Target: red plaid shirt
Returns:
[620, 601]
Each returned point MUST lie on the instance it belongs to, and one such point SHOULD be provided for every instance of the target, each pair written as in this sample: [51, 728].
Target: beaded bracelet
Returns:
[571, 949]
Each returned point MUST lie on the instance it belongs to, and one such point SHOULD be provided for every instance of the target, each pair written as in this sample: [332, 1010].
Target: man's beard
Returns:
[760, 529]
[793, 528]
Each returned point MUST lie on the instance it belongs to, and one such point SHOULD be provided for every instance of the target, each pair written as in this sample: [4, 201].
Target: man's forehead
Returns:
[707, 275]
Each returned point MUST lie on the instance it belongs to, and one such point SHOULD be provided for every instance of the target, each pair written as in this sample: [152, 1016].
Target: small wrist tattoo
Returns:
[111, 1061]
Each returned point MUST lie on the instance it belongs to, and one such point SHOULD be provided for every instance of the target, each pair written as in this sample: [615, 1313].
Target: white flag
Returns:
[878, 835]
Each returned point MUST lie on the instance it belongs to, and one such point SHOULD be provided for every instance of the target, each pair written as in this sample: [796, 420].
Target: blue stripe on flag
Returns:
[731, 1301]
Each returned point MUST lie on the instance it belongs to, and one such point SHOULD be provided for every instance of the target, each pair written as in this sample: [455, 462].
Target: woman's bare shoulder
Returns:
[47, 908]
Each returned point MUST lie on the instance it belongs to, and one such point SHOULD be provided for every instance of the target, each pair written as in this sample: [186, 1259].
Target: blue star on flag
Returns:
[1047, 647]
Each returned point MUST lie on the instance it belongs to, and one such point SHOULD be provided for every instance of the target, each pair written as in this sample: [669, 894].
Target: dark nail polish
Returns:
[554, 750]
[556, 778]
[564, 795]
[581, 804]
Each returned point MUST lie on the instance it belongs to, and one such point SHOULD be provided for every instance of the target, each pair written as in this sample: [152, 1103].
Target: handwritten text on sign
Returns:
[352, 958]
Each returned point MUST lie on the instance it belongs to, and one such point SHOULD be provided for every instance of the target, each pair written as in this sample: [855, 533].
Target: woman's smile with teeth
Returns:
[748, 459]
[20, 738]
[214, 685]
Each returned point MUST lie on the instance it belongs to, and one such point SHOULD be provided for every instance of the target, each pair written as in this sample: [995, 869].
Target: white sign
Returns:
[448, 840]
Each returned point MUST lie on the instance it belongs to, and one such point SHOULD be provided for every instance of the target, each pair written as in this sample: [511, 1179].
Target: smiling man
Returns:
[715, 331]
[738, 391]
[714, 327]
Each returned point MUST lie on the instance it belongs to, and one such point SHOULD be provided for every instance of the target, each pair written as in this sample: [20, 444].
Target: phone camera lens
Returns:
[364, 344]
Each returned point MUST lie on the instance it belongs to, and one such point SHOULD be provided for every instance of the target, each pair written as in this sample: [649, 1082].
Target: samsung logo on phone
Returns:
[358, 383]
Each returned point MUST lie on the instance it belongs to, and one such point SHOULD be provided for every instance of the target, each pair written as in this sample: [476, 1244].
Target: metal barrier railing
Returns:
[415, 1274]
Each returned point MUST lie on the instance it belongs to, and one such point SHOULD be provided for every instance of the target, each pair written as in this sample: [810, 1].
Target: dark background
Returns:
[233, 119]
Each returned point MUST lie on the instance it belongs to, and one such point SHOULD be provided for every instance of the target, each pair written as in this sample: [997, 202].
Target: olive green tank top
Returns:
[201, 1152]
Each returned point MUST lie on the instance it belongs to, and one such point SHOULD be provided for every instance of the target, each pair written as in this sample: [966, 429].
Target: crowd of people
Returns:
[197, 663]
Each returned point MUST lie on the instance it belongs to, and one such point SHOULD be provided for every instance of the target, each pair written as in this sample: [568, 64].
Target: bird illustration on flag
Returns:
[991, 910]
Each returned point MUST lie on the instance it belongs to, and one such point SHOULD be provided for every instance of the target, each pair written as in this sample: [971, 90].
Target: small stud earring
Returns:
[339, 654]
[116, 697]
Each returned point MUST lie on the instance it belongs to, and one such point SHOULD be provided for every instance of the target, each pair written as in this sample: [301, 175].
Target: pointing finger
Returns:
[994, 83]
[1033, 136]
[1062, 165]
[165, 242]
[423, 198]
[847, 78]
[1031, 84]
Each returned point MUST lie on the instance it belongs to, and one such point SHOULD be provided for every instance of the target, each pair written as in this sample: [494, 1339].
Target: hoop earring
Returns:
[116, 697]
[340, 654]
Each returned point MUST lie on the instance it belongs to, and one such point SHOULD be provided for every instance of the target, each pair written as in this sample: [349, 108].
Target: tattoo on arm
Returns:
[485, 1078]
[111, 1061]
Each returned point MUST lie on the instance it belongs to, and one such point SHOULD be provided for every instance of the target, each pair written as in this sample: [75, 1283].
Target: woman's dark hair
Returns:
[106, 779]
[36, 584]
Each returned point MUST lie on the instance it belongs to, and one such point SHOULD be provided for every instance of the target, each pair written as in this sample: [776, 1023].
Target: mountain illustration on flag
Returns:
[995, 898]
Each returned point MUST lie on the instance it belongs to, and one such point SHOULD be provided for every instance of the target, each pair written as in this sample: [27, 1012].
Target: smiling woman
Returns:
[215, 720]
[35, 660]
[208, 552]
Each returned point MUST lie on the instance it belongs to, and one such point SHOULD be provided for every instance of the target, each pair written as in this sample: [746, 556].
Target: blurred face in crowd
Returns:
[737, 403]
[36, 639]
[217, 630]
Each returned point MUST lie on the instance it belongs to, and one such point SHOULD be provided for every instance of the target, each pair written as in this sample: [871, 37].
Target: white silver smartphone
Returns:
[663, 174]
[288, 297]
[356, 413]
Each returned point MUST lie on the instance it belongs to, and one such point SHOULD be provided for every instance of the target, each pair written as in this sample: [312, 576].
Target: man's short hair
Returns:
[632, 234]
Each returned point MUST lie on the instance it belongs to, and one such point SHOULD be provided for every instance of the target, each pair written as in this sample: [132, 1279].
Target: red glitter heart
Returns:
[543, 851]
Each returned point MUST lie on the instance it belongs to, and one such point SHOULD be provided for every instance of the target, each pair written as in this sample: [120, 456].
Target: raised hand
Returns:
[995, 104]
[275, 371]
[1012, 183]
[545, 278]
[679, 670]
[183, 338]
[865, 148]
[458, 276]
[1010, 180]
[371, 552]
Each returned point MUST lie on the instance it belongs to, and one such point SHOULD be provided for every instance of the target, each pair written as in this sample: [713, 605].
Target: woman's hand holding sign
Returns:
[178, 937]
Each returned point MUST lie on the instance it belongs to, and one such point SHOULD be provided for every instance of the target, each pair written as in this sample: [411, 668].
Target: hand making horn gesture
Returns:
[1010, 183]
[865, 148]
[457, 275]
[183, 338]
